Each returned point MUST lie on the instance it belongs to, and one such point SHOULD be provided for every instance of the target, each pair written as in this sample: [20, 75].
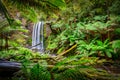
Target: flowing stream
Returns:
[38, 37]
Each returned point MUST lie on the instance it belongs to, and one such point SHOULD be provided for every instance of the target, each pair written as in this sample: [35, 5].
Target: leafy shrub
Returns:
[95, 47]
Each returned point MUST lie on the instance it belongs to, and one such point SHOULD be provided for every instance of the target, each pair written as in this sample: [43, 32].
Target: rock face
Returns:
[48, 30]
[7, 68]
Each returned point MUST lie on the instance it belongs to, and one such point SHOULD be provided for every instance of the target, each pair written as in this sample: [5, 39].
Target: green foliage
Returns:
[77, 61]
[79, 31]
[116, 44]
[86, 23]
[6, 54]
[71, 74]
[50, 44]
[36, 72]
[95, 47]
[67, 68]
[20, 55]
[115, 8]
[4, 11]
[100, 18]
[72, 67]
[37, 6]
[4, 24]
[30, 15]
[117, 30]
[7, 31]
[58, 3]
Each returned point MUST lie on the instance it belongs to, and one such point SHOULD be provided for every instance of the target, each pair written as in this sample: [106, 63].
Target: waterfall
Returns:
[37, 37]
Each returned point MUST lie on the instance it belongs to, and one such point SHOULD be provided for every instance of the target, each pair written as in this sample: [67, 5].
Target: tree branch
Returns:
[63, 53]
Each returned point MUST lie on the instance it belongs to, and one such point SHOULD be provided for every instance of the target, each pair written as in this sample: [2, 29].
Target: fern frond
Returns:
[5, 12]
[39, 4]
[71, 74]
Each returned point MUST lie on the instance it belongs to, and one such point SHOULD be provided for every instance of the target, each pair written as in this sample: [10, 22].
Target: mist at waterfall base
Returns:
[38, 37]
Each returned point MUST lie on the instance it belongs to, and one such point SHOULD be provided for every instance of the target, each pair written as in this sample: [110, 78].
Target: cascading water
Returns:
[37, 37]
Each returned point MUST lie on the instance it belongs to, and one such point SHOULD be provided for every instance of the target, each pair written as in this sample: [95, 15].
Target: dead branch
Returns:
[63, 53]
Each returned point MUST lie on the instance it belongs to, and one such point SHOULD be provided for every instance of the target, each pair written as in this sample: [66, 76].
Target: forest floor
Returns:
[112, 68]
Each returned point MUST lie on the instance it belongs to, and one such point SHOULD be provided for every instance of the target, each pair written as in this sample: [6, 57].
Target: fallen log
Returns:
[8, 68]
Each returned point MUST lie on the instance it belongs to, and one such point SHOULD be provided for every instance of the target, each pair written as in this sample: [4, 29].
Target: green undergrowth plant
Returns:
[8, 37]
[71, 74]
[116, 46]
[96, 47]
[66, 68]
[19, 54]
[35, 72]
[44, 67]
[95, 41]
[103, 28]
[83, 74]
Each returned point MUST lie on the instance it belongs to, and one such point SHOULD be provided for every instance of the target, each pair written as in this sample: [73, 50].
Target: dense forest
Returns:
[80, 40]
